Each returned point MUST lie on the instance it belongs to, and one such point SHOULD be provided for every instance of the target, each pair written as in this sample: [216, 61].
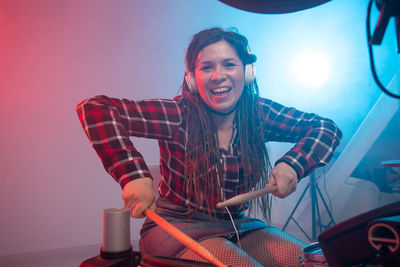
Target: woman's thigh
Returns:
[225, 251]
[272, 247]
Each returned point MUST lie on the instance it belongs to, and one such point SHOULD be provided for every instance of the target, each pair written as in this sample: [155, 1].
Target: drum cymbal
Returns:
[391, 163]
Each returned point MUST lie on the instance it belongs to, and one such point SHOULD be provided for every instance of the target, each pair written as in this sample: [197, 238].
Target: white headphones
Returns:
[249, 75]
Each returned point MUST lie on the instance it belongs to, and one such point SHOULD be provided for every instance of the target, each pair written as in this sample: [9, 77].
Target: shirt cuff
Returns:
[127, 172]
[295, 161]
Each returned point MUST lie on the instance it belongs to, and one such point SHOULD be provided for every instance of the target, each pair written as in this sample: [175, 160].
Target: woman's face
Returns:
[219, 75]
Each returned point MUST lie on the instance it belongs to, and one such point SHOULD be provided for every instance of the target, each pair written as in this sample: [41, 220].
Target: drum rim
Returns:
[169, 261]
[309, 256]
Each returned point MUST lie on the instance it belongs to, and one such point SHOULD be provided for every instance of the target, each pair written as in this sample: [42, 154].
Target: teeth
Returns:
[221, 90]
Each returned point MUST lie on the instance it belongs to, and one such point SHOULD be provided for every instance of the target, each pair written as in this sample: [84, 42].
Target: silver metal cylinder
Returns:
[116, 230]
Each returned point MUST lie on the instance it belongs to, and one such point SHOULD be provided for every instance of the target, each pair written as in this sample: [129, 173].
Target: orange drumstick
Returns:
[242, 198]
[183, 238]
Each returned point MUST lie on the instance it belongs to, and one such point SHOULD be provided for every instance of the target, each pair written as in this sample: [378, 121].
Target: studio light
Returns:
[311, 69]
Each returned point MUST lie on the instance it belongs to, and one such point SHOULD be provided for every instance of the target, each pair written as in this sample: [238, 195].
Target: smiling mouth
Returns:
[221, 91]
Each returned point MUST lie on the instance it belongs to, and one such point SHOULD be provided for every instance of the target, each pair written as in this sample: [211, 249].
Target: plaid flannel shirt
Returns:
[109, 122]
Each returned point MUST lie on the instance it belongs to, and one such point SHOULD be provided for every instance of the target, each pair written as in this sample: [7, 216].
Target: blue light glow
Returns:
[311, 69]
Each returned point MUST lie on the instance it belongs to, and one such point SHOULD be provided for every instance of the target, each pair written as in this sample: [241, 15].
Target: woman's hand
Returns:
[138, 195]
[285, 179]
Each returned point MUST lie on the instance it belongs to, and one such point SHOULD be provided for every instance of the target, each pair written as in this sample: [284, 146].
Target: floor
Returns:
[67, 257]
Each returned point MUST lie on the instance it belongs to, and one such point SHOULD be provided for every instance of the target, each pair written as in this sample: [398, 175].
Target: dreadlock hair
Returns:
[202, 165]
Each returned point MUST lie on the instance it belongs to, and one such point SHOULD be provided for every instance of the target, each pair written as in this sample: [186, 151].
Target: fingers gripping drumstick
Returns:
[183, 238]
[245, 197]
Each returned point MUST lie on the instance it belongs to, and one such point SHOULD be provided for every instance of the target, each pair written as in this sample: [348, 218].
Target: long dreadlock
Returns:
[202, 167]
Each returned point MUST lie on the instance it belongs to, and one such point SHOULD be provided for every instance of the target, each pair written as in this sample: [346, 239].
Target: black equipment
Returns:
[158, 261]
[127, 258]
[371, 237]
[273, 6]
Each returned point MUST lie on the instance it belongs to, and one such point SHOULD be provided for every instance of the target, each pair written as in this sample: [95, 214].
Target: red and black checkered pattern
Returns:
[109, 122]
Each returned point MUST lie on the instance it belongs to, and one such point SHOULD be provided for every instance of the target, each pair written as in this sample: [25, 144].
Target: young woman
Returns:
[212, 147]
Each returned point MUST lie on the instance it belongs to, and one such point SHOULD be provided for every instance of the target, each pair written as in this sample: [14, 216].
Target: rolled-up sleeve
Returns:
[109, 123]
[315, 138]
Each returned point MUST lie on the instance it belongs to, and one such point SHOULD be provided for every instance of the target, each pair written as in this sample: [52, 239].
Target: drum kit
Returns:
[313, 256]
[369, 239]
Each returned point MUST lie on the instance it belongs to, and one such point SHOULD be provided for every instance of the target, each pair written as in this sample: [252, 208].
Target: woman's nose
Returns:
[218, 74]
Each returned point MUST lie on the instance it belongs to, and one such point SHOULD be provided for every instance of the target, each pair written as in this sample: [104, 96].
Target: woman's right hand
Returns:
[138, 195]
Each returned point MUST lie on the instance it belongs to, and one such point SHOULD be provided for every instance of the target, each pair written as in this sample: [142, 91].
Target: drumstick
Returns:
[183, 238]
[242, 198]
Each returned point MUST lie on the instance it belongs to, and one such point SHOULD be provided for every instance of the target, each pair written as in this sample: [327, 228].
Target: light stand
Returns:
[316, 216]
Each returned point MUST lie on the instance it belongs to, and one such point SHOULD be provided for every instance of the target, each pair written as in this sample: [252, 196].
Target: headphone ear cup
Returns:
[249, 74]
[191, 82]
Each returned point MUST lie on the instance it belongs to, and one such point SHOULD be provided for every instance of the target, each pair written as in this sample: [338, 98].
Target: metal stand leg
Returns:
[315, 216]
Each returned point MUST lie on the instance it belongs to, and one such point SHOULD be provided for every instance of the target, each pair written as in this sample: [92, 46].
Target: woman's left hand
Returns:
[285, 179]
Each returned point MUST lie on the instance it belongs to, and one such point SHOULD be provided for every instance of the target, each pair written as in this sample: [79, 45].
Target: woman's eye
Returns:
[205, 68]
[230, 65]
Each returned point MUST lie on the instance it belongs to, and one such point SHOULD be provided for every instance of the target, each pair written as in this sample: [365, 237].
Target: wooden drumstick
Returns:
[183, 238]
[242, 198]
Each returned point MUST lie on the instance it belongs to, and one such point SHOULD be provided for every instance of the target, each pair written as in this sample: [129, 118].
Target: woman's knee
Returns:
[224, 250]
[272, 235]
[273, 247]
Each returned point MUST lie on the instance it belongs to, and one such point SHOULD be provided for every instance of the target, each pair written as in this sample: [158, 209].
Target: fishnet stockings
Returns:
[272, 247]
[224, 250]
[263, 247]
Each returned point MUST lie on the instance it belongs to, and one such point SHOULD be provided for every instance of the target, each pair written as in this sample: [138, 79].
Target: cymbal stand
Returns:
[316, 216]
